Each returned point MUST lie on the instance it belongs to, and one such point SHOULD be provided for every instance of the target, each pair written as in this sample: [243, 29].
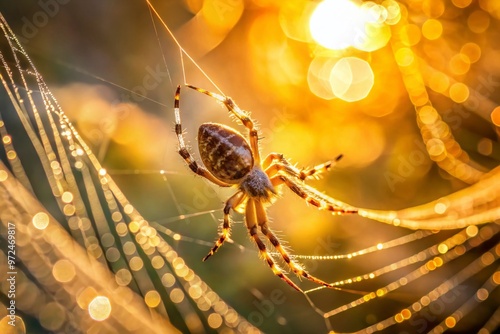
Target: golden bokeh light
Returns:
[404, 57]
[428, 115]
[478, 21]
[318, 77]
[487, 258]
[157, 262]
[6, 326]
[439, 82]
[472, 51]
[471, 231]
[112, 254]
[117, 216]
[94, 250]
[495, 116]
[394, 11]
[459, 92]
[214, 320]
[450, 322]
[99, 308]
[406, 313]
[195, 291]
[496, 275]
[436, 149]
[168, 280]
[432, 29]
[348, 78]
[129, 248]
[485, 146]
[67, 197]
[136, 263]
[11, 155]
[443, 248]
[69, 209]
[410, 34]
[40, 220]
[134, 226]
[351, 79]
[121, 229]
[63, 271]
[123, 277]
[152, 298]
[440, 208]
[176, 295]
[482, 294]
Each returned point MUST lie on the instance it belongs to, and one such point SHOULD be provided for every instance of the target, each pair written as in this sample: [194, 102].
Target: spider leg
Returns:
[295, 267]
[251, 222]
[312, 196]
[308, 173]
[241, 115]
[276, 162]
[184, 152]
[231, 203]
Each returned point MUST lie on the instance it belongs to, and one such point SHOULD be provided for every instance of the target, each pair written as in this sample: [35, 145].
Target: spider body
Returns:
[224, 151]
[228, 156]
[231, 160]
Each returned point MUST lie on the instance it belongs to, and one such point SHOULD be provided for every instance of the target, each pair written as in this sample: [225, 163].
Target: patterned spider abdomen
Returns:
[224, 152]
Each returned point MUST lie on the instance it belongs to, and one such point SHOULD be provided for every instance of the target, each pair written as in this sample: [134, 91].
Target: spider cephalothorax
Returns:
[231, 160]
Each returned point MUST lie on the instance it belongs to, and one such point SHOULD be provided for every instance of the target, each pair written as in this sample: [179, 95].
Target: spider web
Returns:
[411, 281]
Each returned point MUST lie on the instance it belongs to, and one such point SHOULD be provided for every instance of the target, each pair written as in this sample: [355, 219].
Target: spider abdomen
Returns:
[224, 152]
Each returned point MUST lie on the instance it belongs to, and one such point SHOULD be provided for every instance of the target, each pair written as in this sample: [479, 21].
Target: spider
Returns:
[231, 160]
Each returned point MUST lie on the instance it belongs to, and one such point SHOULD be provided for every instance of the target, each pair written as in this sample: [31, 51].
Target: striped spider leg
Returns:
[279, 163]
[281, 171]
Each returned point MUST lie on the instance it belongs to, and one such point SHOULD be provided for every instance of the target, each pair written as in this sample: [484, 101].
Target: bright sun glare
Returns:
[339, 24]
[335, 23]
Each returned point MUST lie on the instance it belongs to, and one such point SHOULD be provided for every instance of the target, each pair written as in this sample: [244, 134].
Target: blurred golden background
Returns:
[407, 91]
